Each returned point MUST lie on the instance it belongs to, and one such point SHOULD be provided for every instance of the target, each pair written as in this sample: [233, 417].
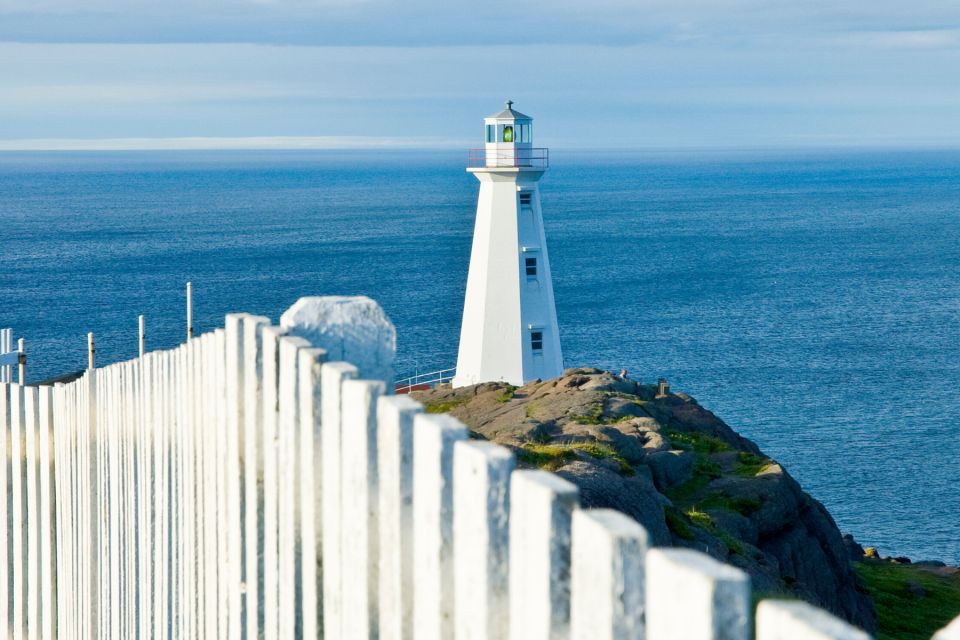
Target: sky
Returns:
[637, 74]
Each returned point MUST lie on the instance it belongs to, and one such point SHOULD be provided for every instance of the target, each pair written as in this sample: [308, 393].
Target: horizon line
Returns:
[372, 143]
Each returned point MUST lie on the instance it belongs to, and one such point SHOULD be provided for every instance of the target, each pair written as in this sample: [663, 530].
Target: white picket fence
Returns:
[248, 485]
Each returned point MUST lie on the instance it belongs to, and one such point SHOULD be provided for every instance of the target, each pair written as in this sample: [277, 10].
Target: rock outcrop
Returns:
[690, 479]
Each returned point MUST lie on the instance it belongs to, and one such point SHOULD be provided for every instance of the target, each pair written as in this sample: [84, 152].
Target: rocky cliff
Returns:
[690, 479]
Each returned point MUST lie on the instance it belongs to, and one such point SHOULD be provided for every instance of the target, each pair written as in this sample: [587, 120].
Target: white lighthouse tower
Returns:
[509, 329]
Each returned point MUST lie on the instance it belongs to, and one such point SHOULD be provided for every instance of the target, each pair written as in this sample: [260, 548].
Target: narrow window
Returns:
[491, 133]
[536, 340]
[531, 264]
[508, 133]
[526, 199]
[525, 133]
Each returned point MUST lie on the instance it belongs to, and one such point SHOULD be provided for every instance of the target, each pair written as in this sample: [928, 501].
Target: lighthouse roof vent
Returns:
[509, 114]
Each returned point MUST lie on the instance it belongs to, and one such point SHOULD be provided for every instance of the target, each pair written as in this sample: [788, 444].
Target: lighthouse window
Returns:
[526, 199]
[491, 133]
[508, 133]
[531, 264]
[525, 133]
[536, 340]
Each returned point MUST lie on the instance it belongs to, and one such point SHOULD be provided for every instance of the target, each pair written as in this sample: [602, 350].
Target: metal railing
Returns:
[423, 381]
[536, 158]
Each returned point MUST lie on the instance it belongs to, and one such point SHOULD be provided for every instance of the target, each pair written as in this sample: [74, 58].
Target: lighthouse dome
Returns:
[509, 113]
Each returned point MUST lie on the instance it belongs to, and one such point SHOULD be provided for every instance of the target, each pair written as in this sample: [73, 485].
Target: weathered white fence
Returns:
[253, 483]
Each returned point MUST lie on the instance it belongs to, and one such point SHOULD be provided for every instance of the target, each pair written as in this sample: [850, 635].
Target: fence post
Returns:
[32, 429]
[189, 310]
[252, 469]
[541, 508]
[433, 441]
[234, 387]
[89, 444]
[6, 561]
[271, 361]
[333, 374]
[949, 632]
[141, 335]
[4, 349]
[796, 620]
[17, 528]
[395, 415]
[310, 487]
[691, 596]
[212, 403]
[481, 511]
[290, 614]
[607, 577]
[48, 516]
[359, 507]
[22, 360]
[91, 351]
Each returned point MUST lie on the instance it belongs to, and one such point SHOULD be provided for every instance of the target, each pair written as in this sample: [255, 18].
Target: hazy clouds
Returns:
[603, 73]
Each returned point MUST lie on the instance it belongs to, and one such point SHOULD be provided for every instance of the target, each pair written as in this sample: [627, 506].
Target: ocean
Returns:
[810, 299]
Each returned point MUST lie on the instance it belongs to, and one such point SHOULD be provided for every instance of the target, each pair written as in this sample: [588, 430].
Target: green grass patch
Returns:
[733, 545]
[704, 470]
[507, 394]
[594, 416]
[619, 419]
[745, 506]
[696, 442]
[748, 464]
[677, 523]
[553, 456]
[703, 520]
[445, 406]
[904, 613]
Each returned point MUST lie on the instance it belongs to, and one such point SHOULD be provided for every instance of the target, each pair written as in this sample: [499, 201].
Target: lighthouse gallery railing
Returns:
[535, 158]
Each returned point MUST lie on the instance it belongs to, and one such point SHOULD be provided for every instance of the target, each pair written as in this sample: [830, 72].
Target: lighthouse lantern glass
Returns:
[508, 133]
[491, 133]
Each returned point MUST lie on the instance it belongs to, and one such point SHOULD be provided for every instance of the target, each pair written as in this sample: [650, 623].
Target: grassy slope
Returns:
[902, 614]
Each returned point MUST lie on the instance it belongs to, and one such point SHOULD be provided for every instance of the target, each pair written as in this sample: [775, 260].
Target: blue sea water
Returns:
[811, 300]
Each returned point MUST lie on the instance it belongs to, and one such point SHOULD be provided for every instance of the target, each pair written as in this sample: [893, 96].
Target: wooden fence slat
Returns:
[309, 487]
[541, 510]
[395, 415]
[796, 620]
[682, 581]
[359, 508]
[288, 461]
[18, 522]
[47, 523]
[233, 425]
[607, 577]
[949, 632]
[333, 374]
[433, 441]
[271, 362]
[252, 472]
[6, 557]
[481, 510]
[31, 431]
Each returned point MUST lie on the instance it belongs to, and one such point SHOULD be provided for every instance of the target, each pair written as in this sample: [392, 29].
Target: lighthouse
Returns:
[509, 330]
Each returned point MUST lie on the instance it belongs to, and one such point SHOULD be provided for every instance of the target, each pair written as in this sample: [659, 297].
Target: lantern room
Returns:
[509, 139]
[509, 128]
